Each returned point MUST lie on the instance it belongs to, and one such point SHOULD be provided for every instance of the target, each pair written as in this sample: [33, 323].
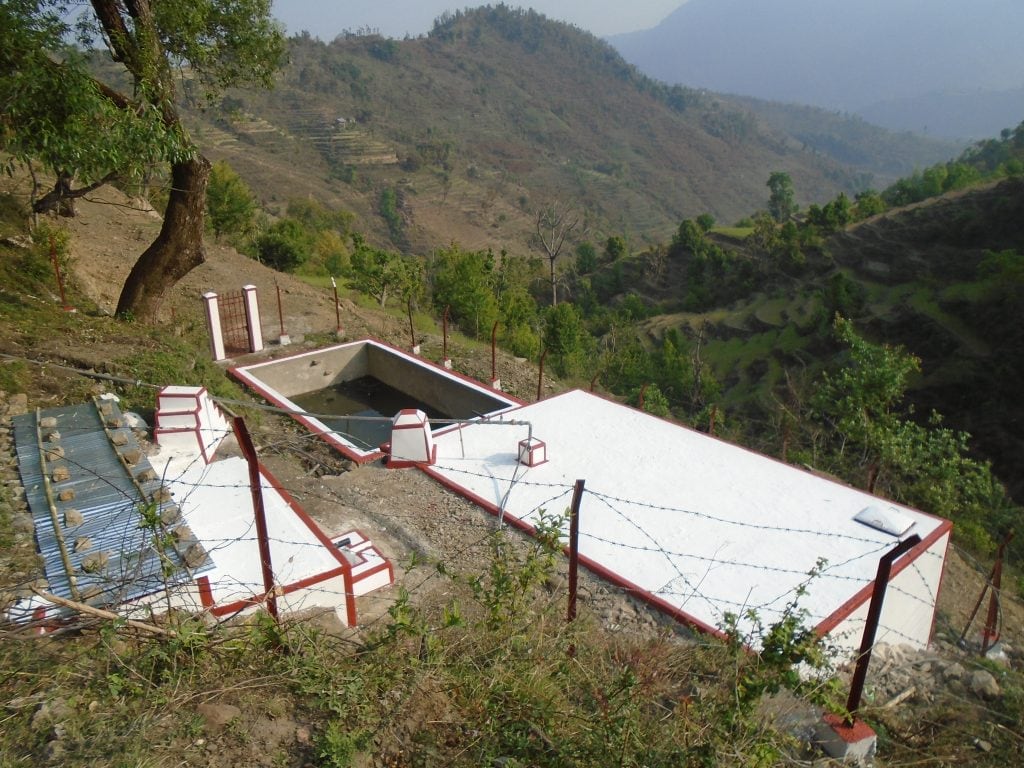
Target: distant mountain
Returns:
[472, 128]
[847, 55]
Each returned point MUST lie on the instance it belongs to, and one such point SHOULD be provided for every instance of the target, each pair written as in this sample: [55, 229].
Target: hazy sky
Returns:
[327, 18]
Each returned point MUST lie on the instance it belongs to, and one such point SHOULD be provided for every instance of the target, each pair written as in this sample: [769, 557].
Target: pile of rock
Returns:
[900, 673]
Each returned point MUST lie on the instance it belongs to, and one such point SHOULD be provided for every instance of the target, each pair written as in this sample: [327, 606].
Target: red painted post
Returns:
[540, 374]
[991, 582]
[871, 625]
[494, 352]
[262, 536]
[574, 548]
[991, 631]
[640, 400]
[337, 307]
[280, 313]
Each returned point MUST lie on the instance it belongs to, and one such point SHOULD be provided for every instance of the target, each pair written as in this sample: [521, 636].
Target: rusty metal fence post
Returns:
[262, 535]
[871, 626]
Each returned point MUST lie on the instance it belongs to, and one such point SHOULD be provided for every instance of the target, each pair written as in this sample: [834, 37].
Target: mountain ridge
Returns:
[838, 55]
[490, 116]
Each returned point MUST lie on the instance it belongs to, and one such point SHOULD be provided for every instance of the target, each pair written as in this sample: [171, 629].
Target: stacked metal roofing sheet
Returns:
[103, 490]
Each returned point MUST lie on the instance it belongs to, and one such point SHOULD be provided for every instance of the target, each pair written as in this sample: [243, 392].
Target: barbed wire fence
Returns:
[694, 587]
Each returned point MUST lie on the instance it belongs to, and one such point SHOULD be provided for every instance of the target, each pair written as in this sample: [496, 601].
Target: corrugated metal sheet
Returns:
[109, 502]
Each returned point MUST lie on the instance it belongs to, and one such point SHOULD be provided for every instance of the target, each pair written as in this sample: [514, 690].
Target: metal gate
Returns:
[234, 322]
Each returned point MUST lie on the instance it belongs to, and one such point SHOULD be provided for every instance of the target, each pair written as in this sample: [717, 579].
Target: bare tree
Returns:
[555, 223]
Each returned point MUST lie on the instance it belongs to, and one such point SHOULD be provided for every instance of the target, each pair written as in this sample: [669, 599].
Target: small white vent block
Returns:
[885, 518]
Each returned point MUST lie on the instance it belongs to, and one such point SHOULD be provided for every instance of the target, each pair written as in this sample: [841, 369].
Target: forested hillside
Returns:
[465, 134]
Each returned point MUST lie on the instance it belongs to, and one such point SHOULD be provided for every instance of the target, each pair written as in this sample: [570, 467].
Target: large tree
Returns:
[45, 89]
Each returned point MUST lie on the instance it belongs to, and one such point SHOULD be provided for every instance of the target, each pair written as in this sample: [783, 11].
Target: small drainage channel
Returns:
[366, 378]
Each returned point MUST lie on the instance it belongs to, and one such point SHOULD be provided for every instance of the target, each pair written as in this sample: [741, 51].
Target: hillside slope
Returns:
[491, 116]
[943, 278]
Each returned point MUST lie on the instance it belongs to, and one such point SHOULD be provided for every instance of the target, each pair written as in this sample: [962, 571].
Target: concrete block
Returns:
[853, 744]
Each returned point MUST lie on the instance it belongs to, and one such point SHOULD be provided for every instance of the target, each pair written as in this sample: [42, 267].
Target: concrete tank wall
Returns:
[447, 395]
[314, 370]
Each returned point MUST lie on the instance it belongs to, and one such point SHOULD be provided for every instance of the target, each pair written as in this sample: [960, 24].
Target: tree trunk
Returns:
[177, 250]
[554, 292]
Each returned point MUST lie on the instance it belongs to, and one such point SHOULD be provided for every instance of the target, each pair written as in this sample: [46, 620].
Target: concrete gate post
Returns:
[213, 323]
[252, 318]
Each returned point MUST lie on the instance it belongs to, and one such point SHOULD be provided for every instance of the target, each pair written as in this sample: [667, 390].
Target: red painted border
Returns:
[344, 570]
[205, 591]
[844, 611]
[242, 374]
[318, 430]
[826, 626]
[661, 604]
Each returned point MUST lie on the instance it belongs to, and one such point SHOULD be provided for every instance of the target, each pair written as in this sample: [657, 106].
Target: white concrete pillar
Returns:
[213, 322]
[252, 318]
[412, 442]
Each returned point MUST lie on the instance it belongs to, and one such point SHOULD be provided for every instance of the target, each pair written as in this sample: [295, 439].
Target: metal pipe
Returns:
[871, 626]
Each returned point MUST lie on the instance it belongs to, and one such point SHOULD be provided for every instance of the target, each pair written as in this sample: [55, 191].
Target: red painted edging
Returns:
[661, 604]
[846, 609]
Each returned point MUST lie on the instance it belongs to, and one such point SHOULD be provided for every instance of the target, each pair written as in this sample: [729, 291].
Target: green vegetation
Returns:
[62, 114]
[490, 673]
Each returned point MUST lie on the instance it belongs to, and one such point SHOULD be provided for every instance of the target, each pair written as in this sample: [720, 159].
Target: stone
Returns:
[302, 735]
[954, 671]
[17, 404]
[61, 475]
[57, 452]
[73, 518]
[983, 684]
[52, 437]
[48, 422]
[217, 716]
[132, 455]
[119, 438]
[68, 494]
[95, 562]
[83, 543]
[982, 746]
[195, 555]
[170, 514]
